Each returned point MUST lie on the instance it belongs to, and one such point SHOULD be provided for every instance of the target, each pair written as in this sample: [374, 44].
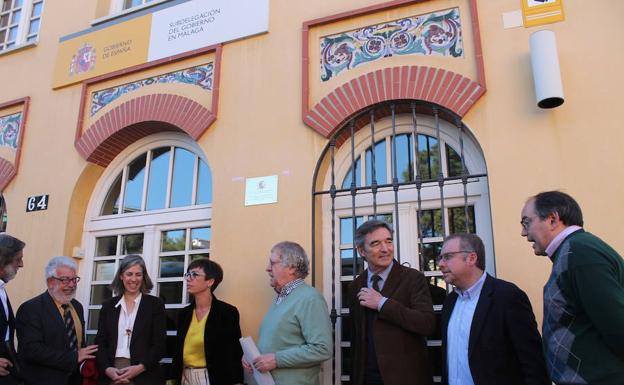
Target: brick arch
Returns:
[137, 118]
[436, 85]
[7, 172]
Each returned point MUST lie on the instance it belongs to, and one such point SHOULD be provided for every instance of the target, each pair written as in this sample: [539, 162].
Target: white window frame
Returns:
[24, 25]
[117, 6]
[150, 223]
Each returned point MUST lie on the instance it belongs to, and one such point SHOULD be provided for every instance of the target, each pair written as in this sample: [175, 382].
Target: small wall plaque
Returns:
[37, 203]
[261, 190]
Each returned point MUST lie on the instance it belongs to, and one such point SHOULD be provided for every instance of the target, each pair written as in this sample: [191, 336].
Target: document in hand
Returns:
[250, 352]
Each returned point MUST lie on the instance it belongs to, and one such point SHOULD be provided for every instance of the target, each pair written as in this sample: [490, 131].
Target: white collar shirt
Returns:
[125, 326]
[458, 334]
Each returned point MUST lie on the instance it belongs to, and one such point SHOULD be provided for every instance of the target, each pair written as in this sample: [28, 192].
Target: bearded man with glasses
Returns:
[50, 329]
[489, 333]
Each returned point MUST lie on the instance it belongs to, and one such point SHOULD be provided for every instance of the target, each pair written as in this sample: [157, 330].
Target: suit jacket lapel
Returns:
[393, 280]
[480, 314]
[54, 314]
[140, 320]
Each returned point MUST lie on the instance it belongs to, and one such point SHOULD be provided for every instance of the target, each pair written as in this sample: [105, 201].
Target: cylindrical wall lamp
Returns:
[546, 73]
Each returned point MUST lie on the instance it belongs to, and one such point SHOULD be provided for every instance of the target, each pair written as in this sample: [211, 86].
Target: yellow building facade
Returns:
[176, 129]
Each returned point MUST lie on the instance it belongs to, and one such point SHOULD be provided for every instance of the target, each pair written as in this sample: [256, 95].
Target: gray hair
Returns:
[291, 254]
[127, 262]
[60, 261]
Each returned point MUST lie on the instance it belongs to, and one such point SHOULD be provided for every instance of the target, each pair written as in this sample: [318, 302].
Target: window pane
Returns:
[453, 162]
[197, 256]
[457, 220]
[405, 165]
[380, 164]
[34, 26]
[16, 17]
[2, 35]
[182, 185]
[37, 9]
[131, 3]
[172, 266]
[134, 185]
[431, 223]
[437, 288]
[170, 292]
[12, 33]
[6, 5]
[172, 318]
[200, 238]
[111, 204]
[106, 246]
[430, 252]
[94, 315]
[17, 3]
[104, 270]
[346, 229]
[173, 240]
[428, 157]
[358, 180]
[132, 244]
[4, 20]
[346, 262]
[157, 184]
[99, 294]
[204, 184]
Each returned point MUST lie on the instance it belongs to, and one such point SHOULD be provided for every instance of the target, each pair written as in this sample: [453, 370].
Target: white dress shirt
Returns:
[458, 334]
[125, 327]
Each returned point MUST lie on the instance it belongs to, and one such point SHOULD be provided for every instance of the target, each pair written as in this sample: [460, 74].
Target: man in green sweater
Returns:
[295, 335]
[583, 327]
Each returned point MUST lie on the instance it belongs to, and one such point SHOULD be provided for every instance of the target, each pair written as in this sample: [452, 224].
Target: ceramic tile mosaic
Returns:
[9, 130]
[201, 76]
[437, 33]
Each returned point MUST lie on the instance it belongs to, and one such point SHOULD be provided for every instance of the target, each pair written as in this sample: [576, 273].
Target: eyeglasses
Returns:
[446, 256]
[526, 222]
[191, 275]
[67, 280]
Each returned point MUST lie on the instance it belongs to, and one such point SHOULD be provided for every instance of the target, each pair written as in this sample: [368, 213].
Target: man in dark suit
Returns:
[391, 311]
[50, 329]
[489, 333]
[11, 254]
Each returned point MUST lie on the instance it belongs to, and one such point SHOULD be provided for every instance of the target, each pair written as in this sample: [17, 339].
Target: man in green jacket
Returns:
[295, 335]
[584, 297]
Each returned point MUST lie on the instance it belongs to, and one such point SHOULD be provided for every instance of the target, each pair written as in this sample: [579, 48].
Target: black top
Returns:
[221, 344]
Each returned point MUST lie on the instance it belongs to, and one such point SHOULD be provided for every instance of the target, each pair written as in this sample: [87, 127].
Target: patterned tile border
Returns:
[10, 129]
[201, 76]
[436, 33]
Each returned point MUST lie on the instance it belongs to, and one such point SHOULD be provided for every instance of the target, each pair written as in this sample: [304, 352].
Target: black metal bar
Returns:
[395, 185]
[401, 184]
[464, 172]
[436, 114]
[353, 192]
[418, 184]
[373, 164]
[333, 315]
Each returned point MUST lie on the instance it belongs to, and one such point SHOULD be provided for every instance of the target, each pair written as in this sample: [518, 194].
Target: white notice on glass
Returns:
[250, 352]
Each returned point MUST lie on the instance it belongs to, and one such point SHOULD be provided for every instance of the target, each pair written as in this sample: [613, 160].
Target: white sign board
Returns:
[201, 23]
[261, 190]
[537, 3]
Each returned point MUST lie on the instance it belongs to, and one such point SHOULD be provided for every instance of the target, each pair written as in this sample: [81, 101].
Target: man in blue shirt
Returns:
[489, 333]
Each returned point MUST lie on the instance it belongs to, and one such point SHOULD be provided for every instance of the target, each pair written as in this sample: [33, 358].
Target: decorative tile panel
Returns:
[201, 76]
[9, 130]
[436, 33]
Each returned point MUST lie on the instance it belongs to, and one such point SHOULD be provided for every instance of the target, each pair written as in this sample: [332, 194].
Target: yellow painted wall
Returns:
[259, 131]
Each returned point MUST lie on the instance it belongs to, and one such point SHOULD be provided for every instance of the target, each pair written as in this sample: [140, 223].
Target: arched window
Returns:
[414, 165]
[155, 199]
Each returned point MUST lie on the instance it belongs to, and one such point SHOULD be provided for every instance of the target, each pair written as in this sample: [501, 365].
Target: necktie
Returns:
[376, 278]
[69, 327]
